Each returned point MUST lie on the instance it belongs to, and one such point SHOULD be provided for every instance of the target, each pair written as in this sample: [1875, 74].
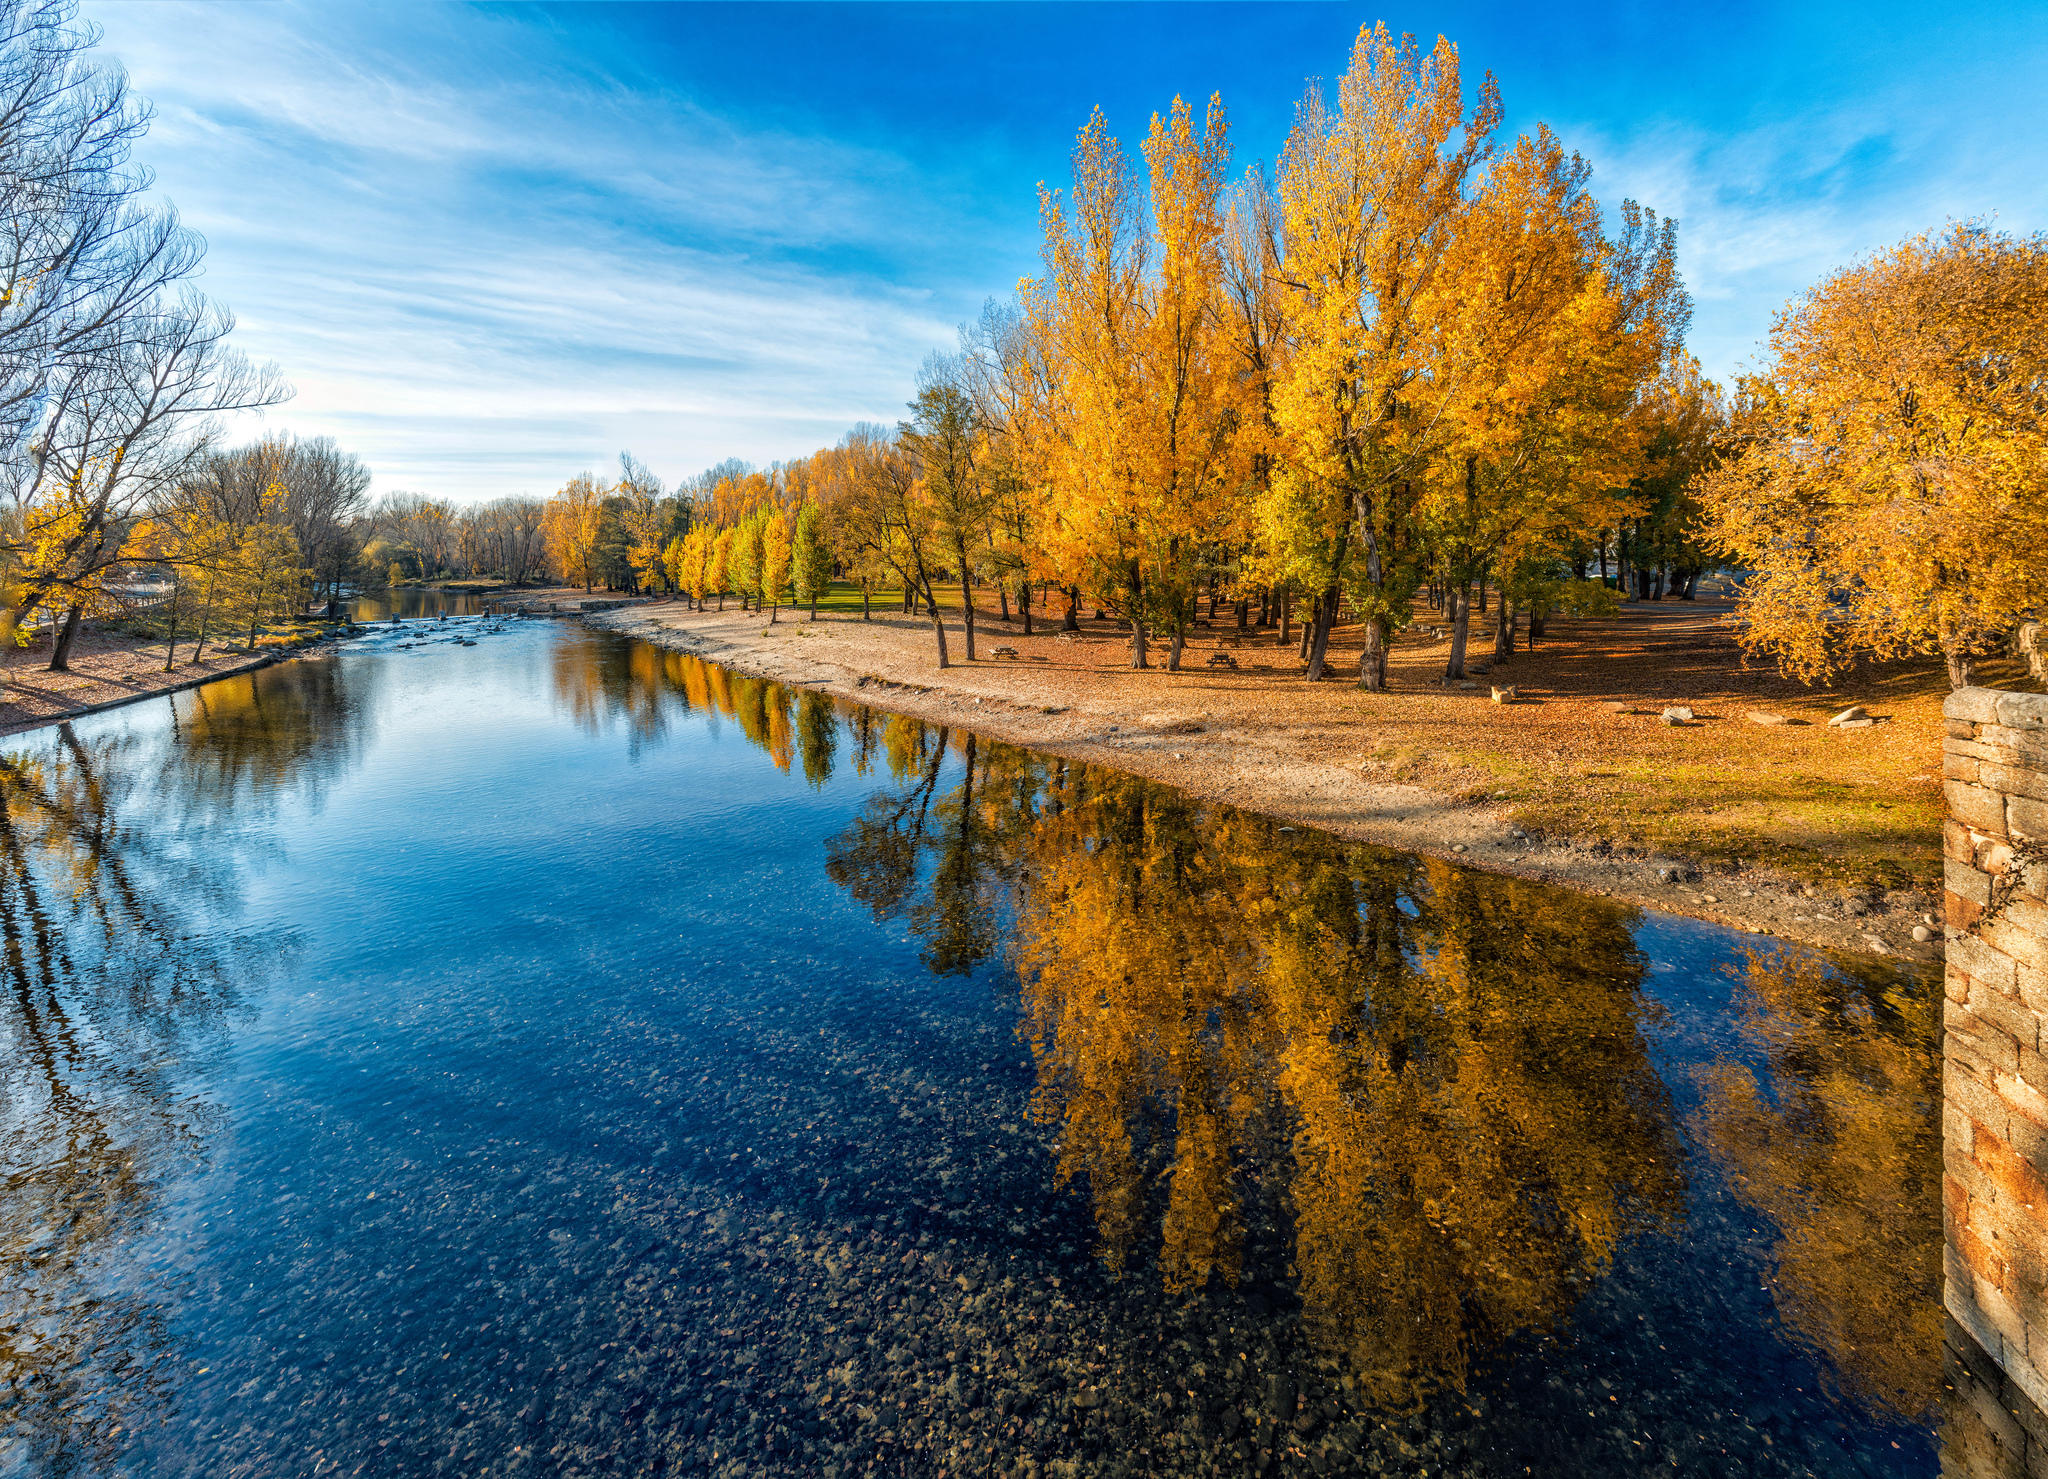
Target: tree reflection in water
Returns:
[1426, 1089]
[1418, 1098]
[122, 968]
[1840, 1149]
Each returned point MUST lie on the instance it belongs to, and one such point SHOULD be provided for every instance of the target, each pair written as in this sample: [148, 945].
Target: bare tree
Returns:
[123, 428]
[80, 253]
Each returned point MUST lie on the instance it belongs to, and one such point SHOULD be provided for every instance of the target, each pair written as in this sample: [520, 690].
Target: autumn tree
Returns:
[776, 549]
[1887, 488]
[884, 516]
[1369, 194]
[1546, 334]
[810, 558]
[955, 496]
[718, 564]
[1141, 435]
[572, 526]
[643, 520]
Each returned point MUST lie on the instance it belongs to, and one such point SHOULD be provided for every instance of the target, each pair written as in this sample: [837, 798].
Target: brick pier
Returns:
[1994, 1074]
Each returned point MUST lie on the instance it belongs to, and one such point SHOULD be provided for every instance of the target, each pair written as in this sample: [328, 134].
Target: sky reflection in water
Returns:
[557, 1056]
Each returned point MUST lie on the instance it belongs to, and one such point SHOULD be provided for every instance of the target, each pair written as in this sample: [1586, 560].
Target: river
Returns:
[497, 1047]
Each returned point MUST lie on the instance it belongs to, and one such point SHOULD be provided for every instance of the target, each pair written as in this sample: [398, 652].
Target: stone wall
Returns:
[1994, 1072]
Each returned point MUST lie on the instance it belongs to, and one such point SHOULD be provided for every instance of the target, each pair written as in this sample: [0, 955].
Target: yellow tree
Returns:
[1368, 194]
[718, 565]
[1542, 336]
[775, 555]
[1142, 446]
[1888, 485]
[574, 519]
[694, 570]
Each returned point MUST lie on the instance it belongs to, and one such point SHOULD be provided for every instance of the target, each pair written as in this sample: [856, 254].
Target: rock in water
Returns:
[1848, 716]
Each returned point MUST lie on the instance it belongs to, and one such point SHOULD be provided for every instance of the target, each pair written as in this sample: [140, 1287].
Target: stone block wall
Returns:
[1994, 1072]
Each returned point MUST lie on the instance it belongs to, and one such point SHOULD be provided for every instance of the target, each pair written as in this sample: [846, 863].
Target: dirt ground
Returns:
[1820, 834]
[109, 666]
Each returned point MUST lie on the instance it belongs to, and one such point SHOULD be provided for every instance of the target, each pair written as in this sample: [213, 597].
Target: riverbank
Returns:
[111, 667]
[1576, 784]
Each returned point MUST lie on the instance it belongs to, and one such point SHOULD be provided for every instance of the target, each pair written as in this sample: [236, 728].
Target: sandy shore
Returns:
[1284, 750]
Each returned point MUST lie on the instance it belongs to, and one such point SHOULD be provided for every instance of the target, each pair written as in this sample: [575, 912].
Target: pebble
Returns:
[1922, 933]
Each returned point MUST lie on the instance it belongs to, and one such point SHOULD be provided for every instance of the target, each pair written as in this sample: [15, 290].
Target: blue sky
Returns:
[495, 246]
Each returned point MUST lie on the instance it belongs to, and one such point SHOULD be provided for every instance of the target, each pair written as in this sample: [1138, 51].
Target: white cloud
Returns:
[487, 281]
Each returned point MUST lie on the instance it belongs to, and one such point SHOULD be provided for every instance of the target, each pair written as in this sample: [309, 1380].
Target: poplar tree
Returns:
[811, 558]
[775, 554]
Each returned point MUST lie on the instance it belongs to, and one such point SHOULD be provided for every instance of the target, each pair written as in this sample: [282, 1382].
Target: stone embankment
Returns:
[1994, 1072]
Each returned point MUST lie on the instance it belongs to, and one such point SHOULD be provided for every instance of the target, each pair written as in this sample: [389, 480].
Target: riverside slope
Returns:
[1286, 766]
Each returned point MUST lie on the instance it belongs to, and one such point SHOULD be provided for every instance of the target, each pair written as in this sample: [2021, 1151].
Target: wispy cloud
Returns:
[483, 269]
[492, 247]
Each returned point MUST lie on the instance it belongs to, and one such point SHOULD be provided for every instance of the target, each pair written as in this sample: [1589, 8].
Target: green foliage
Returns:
[811, 559]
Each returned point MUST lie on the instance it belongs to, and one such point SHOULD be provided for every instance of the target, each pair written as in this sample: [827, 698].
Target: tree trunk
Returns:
[1024, 604]
[1003, 600]
[60, 646]
[1319, 645]
[1173, 648]
[938, 627]
[1286, 603]
[865, 614]
[1244, 612]
[1460, 596]
[1137, 622]
[1504, 630]
[256, 614]
[1959, 661]
[1372, 663]
[1071, 622]
[206, 621]
[966, 597]
[171, 643]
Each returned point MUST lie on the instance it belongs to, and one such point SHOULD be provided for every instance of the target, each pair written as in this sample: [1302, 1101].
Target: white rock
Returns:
[1853, 712]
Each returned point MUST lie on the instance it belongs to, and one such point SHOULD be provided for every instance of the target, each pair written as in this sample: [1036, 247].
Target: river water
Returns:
[502, 1048]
